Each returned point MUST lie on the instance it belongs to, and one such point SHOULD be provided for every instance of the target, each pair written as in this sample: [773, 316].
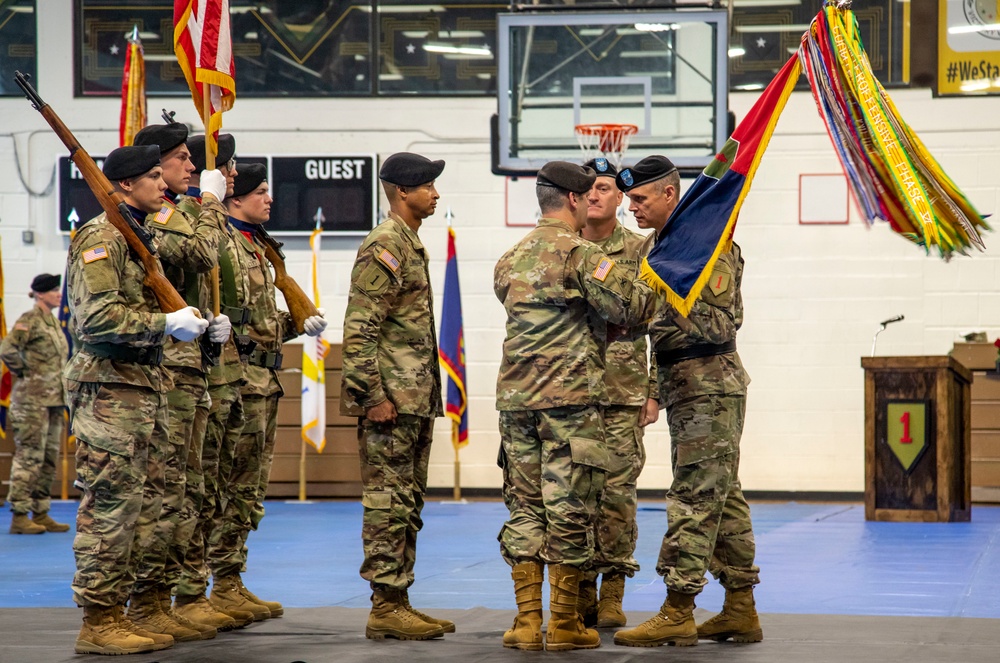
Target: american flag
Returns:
[602, 270]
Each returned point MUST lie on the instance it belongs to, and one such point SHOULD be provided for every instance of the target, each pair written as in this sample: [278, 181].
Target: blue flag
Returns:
[451, 349]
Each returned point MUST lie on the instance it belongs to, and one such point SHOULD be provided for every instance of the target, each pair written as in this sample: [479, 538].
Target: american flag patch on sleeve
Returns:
[97, 253]
[163, 215]
[602, 271]
[390, 260]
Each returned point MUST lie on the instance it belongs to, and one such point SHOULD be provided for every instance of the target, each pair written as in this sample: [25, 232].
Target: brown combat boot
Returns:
[565, 629]
[160, 640]
[45, 520]
[526, 633]
[609, 609]
[446, 625]
[587, 598]
[207, 632]
[226, 597]
[145, 612]
[101, 634]
[738, 619]
[198, 610]
[673, 625]
[21, 524]
[389, 618]
[273, 607]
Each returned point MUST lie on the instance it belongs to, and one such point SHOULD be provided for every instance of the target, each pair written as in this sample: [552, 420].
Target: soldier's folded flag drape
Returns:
[203, 44]
[133, 113]
[5, 377]
[451, 349]
[892, 175]
[313, 365]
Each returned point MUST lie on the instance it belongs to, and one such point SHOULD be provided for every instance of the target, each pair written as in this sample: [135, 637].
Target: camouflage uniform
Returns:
[559, 291]
[119, 411]
[35, 351]
[629, 386]
[390, 352]
[708, 520]
[187, 245]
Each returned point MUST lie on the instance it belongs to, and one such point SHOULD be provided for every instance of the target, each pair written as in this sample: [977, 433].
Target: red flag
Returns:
[5, 378]
[203, 43]
[133, 115]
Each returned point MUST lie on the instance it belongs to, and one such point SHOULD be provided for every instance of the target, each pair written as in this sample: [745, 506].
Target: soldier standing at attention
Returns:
[560, 292]
[35, 352]
[633, 404]
[392, 383]
[118, 395]
[188, 248]
[703, 386]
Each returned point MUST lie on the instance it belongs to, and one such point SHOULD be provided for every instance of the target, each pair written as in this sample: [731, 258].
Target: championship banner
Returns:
[968, 47]
[313, 367]
[451, 349]
[133, 113]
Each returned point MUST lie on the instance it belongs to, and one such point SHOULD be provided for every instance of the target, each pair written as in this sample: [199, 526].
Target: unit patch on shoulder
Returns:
[21, 326]
[719, 282]
[163, 215]
[602, 271]
[99, 252]
[391, 261]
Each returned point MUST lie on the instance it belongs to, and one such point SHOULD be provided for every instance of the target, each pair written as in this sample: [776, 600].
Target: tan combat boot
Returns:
[101, 634]
[526, 633]
[389, 618]
[21, 524]
[446, 625]
[565, 629]
[207, 631]
[226, 597]
[198, 610]
[673, 625]
[145, 612]
[160, 640]
[738, 619]
[273, 607]
[586, 603]
[45, 520]
[609, 609]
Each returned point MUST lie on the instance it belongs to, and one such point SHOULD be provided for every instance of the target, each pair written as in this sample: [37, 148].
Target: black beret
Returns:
[647, 170]
[249, 176]
[408, 169]
[196, 145]
[166, 136]
[45, 282]
[567, 176]
[602, 167]
[126, 162]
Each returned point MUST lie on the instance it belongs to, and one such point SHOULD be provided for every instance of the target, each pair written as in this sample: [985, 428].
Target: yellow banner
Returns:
[968, 47]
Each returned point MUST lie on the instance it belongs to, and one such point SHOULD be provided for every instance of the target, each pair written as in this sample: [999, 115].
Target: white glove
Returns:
[219, 328]
[314, 324]
[213, 182]
[185, 324]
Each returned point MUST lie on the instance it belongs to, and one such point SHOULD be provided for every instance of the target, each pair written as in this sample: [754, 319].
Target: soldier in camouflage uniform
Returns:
[560, 293]
[392, 383]
[268, 327]
[117, 392]
[188, 246]
[703, 387]
[35, 352]
[632, 405]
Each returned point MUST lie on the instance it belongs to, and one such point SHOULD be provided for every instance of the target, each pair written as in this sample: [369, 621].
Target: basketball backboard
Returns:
[662, 71]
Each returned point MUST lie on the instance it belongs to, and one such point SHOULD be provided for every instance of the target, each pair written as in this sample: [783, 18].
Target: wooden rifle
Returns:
[299, 304]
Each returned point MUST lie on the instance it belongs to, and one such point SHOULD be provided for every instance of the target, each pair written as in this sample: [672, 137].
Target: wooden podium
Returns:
[917, 439]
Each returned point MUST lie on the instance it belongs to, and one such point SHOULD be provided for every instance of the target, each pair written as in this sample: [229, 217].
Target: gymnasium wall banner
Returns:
[968, 48]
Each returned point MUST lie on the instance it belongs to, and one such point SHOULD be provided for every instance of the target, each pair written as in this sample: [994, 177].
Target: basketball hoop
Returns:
[609, 140]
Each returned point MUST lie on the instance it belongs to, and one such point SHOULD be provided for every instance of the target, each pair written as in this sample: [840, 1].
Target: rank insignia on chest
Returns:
[602, 271]
[97, 253]
[163, 215]
[391, 261]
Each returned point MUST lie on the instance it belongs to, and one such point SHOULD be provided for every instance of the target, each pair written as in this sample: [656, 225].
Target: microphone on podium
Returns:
[882, 327]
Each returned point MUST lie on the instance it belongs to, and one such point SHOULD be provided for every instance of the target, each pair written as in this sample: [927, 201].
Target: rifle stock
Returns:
[299, 305]
[110, 201]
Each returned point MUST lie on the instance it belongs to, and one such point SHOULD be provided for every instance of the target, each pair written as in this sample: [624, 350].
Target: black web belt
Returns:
[668, 357]
[265, 359]
[147, 356]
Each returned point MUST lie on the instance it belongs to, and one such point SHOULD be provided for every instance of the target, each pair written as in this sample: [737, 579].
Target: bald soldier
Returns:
[560, 292]
[35, 352]
[392, 383]
[703, 387]
[118, 396]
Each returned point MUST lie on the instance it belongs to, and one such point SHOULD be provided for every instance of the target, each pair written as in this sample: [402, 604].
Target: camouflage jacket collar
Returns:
[406, 231]
[614, 243]
[546, 221]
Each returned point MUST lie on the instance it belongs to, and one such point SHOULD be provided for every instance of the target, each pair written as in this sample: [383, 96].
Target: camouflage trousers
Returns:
[266, 460]
[240, 491]
[37, 436]
[708, 520]
[615, 524]
[554, 463]
[121, 433]
[223, 429]
[394, 461]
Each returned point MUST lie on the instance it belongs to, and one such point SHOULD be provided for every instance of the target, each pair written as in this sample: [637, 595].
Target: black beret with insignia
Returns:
[45, 282]
[125, 162]
[567, 176]
[602, 167]
[196, 145]
[649, 169]
[408, 169]
[165, 136]
[249, 177]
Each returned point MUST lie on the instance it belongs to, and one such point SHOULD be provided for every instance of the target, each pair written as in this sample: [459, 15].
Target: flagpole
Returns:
[64, 450]
[210, 153]
[457, 491]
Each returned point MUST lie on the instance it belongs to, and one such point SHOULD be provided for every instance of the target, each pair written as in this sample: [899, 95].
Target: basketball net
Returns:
[607, 140]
